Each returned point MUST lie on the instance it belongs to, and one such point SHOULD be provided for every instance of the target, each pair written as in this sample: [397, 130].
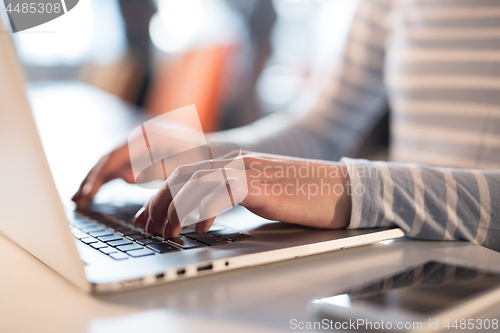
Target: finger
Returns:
[212, 205]
[128, 175]
[201, 185]
[204, 225]
[81, 197]
[158, 209]
[172, 227]
[79, 193]
[125, 173]
[187, 196]
[217, 201]
[93, 182]
[142, 215]
[104, 171]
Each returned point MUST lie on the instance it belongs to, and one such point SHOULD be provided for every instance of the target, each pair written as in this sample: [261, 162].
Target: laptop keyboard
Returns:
[109, 230]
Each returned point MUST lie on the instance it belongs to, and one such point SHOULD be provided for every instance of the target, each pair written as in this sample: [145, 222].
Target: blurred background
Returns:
[237, 60]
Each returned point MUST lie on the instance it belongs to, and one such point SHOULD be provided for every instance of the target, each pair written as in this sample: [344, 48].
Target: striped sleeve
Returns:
[349, 105]
[427, 202]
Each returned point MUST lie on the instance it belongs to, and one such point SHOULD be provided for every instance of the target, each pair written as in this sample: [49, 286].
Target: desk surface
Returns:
[258, 299]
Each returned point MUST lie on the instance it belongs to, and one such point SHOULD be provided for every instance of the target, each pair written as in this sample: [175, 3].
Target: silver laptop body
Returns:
[33, 215]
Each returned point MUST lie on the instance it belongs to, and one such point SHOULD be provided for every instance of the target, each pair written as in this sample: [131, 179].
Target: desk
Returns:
[258, 299]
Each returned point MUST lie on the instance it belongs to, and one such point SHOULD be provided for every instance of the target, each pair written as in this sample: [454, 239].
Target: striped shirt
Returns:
[436, 63]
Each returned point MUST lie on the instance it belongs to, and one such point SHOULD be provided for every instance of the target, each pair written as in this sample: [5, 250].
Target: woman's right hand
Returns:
[114, 165]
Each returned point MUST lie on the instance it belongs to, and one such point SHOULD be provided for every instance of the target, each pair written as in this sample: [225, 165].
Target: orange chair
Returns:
[195, 77]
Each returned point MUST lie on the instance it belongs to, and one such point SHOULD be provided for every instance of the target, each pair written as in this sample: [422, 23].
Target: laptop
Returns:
[100, 250]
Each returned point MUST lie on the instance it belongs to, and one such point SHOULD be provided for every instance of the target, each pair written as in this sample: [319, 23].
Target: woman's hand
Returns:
[311, 193]
[114, 165]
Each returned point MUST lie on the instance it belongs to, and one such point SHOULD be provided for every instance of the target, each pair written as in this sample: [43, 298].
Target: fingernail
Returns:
[139, 213]
[86, 189]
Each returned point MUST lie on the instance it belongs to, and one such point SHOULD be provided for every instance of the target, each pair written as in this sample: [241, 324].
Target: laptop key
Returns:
[190, 229]
[90, 228]
[147, 241]
[137, 236]
[162, 247]
[101, 233]
[130, 247]
[108, 250]
[185, 243]
[235, 237]
[221, 233]
[126, 232]
[118, 256]
[120, 242]
[140, 253]
[211, 241]
[207, 239]
[98, 245]
[238, 237]
[95, 215]
[88, 240]
[82, 224]
[198, 235]
[80, 235]
[112, 225]
[109, 238]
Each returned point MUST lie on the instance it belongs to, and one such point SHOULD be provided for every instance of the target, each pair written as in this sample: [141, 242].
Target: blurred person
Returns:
[241, 105]
[436, 64]
[136, 16]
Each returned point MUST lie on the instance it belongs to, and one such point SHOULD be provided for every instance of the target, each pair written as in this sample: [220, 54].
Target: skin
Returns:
[262, 185]
[114, 165]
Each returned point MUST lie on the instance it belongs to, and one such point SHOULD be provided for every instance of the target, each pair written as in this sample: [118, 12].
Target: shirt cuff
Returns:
[364, 183]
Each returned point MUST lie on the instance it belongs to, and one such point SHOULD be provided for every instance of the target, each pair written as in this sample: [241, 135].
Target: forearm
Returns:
[427, 202]
[282, 134]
